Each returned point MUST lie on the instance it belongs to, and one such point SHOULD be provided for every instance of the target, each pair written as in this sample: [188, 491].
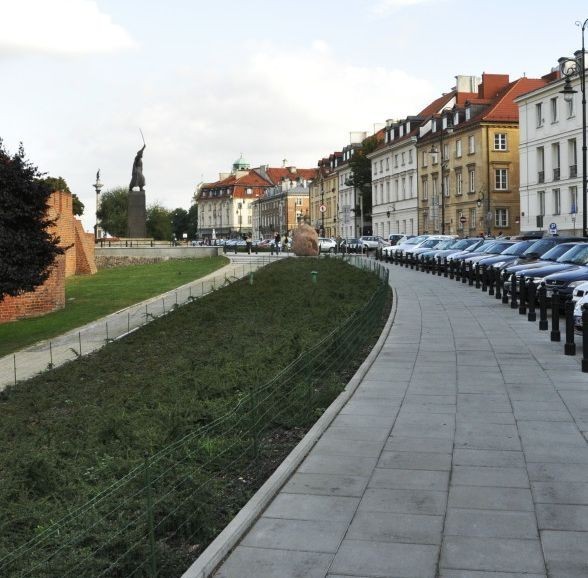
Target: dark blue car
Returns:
[566, 281]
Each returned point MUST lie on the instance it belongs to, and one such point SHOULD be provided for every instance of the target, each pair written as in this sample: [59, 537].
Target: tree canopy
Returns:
[27, 249]
[113, 211]
[361, 168]
[159, 223]
[59, 184]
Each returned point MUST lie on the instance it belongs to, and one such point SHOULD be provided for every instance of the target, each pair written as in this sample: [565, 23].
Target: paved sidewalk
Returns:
[461, 455]
[83, 340]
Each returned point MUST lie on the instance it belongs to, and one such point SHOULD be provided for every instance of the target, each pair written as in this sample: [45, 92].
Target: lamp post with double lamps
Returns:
[443, 163]
[488, 215]
[570, 67]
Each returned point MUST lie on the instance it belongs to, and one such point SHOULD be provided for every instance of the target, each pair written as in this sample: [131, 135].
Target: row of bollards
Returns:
[524, 295]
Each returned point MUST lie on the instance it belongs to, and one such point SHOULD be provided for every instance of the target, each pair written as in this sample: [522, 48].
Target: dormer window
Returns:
[468, 113]
[401, 130]
[249, 191]
[456, 118]
[407, 128]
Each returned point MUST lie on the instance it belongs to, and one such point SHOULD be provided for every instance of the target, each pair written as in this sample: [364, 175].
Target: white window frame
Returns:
[553, 106]
[541, 203]
[500, 141]
[472, 180]
[539, 114]
[556, 201]
[425, 187]
[458, 183]
[458, 148]
[501, 179]
[471, 145]
[501, 218]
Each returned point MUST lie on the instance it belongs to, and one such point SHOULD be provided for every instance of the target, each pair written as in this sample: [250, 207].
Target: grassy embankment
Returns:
[72, 432]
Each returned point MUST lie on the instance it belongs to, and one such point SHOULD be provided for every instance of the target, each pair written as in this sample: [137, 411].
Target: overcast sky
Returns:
[207, 81]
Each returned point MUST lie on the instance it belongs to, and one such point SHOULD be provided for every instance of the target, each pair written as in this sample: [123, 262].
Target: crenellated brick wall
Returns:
[77, 260]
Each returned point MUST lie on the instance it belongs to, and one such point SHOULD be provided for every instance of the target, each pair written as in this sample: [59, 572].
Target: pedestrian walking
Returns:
[277, 240]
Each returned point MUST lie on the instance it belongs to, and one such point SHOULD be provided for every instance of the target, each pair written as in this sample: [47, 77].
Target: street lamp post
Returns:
[569, 67]
[488, 215]
[443, 164]
[322, 211]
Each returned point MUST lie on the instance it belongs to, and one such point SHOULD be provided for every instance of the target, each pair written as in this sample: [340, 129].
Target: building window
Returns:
[570, 106]
[387, 164]
[395, 161]
[375, 167]
[410, 187]
[556, 202]
[410, 156]
[424, 159]
[500, 141]
[573, 200]
[458, 183]
[434, 186]
[403, 188]
[387, 191]
[403, 157]
[541, 203]
[554, 109]
[471, 145]
[425, 183]
[446, 185]
[396, 190]
[472, 180]
[445, 152]
[381, 166]
[249, 191]
[473, 218]
[458, 148]
[573, 158]
[555, 159]
[539, 114]
[501, 179]
[501, 218]
[540, 165]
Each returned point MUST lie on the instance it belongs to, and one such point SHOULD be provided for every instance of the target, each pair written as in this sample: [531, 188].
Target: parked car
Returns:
[371, 241]
[327, 245]
[472, 250]
[426, 245]
[490, 251]
[548, 258]
[539, 249]
[395, 238]
[399, 248]
[580, 300]
[350, 245]
[567, 280]
[516, 249]
[456, 246]
[572, 259]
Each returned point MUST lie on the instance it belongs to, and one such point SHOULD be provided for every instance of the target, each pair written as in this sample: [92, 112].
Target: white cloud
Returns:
[58, 27]
[383, 7]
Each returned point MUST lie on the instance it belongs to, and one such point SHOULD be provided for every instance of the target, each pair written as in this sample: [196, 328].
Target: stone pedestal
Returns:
[137, 215]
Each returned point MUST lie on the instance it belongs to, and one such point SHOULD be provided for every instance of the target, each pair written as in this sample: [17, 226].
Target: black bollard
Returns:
[585, 339]
[498, 283]
[445, 271]
[570, 346]
[484, 278]
[514, 304]
[453, 271]
[428, 266]
[477, 270]
[411, 259]
[522, 296]
[542, 308]
[464, 272]
[531, 298]
[555, 333]
[440, 268]
[471, 275]
[504, 291]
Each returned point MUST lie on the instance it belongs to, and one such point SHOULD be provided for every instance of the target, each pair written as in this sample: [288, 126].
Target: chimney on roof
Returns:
[467, 83]
[284, 162]
[492, 84]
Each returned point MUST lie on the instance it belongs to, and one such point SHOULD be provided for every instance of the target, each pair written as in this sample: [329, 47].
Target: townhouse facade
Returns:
[324, 197]
[469, 161]
[550, 158]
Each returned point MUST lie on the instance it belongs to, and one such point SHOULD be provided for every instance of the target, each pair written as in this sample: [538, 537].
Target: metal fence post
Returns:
[152, 568]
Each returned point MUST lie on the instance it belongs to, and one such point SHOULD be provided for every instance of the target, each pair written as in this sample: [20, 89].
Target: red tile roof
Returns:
[504, 107]
[276, 175]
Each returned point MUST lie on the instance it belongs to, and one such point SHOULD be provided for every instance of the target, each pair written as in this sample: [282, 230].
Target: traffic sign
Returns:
[322, 208]
[462, 219]
[553, 228]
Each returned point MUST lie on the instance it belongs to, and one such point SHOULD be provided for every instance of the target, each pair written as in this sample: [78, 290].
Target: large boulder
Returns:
[305, 241]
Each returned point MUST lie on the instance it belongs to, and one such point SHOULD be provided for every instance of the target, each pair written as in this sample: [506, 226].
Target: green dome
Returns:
[240, 164]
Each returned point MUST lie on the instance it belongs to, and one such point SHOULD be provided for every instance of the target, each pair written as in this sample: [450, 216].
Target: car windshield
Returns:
[446, 244]
[461, 243]
[540, 247]
[429, 243]
[517, 248]
[498, 247]
[556, 252]
[577, 255]
[415, 240]
[481, 248]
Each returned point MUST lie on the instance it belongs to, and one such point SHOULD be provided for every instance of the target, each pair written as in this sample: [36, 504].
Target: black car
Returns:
[548, 258]
[566, 281]
[540, 248]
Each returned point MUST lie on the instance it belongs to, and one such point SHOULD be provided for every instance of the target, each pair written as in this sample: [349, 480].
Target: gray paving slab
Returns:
[462, 454]
[385, 559]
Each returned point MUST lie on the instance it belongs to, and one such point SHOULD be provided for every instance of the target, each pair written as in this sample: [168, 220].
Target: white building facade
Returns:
[394, 181]
[550, 149]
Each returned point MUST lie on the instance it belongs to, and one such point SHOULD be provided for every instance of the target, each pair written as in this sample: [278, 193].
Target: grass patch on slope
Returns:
[71, 433]
[89, 297]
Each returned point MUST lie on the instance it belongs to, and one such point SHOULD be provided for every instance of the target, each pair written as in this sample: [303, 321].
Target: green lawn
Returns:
[91, 297]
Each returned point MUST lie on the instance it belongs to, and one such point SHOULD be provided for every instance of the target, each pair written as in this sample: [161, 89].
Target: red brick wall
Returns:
[46, 298]
[78, 259]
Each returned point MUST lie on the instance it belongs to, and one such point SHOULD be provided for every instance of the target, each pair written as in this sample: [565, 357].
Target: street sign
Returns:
[553, 228]
[462, 219]
[322, 208]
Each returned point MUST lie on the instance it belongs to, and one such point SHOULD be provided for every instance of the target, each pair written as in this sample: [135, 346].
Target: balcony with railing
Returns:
[556, 174]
